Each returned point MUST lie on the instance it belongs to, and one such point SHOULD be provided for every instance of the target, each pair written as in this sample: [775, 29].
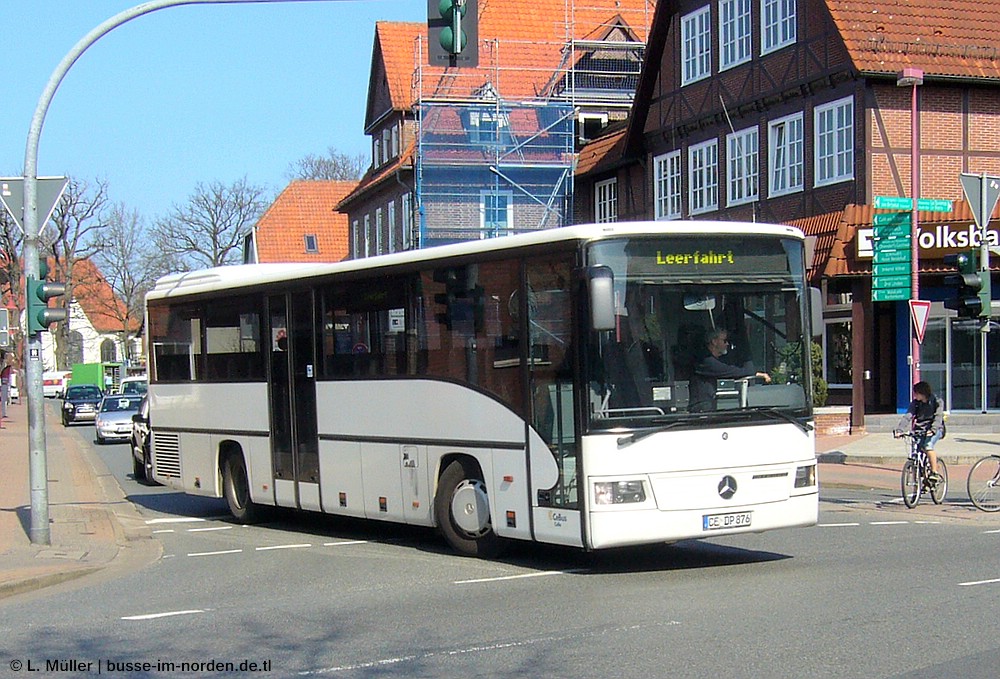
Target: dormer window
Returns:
[488, 126]
[376, 151]
[312, 245]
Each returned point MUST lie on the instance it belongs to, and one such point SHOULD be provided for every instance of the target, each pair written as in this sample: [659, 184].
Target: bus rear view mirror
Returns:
[699, 302]
[602, 297]
[816, 311]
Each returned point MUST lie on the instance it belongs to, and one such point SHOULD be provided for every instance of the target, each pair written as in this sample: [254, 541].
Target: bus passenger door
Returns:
[294, 440]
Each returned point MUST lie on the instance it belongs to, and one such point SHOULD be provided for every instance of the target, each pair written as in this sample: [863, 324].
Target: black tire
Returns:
[236, 488]
[462, 509]
[147, 464]
[910, 483]
[940, 490]
[65, 421]
[984, 484]
[138, 468]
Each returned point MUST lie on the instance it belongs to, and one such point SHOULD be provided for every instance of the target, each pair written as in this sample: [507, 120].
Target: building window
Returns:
[785, 152]
[376, 151]
[394, 150]
[368, 236]
[734, 33]
[407, 210]
[703, 170]
[834, 131]
[488, 126]
[696, 45]
[777, 24]
[495, 213]
[356, 240]
[606, 201]
[590, 125]
[312, 245]
[667, 185]
[378, 231]
[386, 145]
[837, 353]
[742, 153]
[390, 215]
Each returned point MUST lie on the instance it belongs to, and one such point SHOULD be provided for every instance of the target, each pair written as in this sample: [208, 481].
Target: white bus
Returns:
[532, 387]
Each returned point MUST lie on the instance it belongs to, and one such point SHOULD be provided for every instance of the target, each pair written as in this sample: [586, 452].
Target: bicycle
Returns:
[916, 477]
[984, 483]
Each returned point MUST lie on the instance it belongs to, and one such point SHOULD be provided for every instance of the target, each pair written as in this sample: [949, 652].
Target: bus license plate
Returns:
[721, 521]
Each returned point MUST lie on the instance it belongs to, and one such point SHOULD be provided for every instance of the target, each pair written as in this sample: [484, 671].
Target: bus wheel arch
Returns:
[462, 508]
[236, 483]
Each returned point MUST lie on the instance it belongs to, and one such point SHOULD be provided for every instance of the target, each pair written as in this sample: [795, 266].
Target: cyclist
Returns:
[926, 419]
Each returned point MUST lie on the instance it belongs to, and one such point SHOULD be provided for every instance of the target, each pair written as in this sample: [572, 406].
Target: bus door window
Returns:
[364, 329]
[303, 361]
[550, 346]
[280, 390]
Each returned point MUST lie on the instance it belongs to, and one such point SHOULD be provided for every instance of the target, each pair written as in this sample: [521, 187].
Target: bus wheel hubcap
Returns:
[470, 507]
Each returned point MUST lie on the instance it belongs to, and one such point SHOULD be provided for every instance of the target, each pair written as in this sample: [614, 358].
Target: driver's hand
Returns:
[765, 377]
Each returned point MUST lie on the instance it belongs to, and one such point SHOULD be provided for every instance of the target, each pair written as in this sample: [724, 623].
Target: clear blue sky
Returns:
[188, 94]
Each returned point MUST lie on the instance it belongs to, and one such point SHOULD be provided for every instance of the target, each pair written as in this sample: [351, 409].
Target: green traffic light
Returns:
[39, 314]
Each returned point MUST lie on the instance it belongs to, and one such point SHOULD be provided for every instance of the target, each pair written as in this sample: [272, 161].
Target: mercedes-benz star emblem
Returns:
[727, 487]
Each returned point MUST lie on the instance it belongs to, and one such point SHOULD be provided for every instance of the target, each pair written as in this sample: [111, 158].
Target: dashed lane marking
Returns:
[206, 530]
[979, 582]
[519, 576]
[217, 553]
[303, 545]
[167, 614]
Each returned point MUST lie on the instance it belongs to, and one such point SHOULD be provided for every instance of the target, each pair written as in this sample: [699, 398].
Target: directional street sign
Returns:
[891, 218]
[981, 192]
[50, 190]
[902, 203]
[887, 256]
[891, 294]
[891, 269]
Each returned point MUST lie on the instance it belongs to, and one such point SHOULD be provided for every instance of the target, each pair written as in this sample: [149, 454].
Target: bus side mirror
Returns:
[601, 281]
[816, 311]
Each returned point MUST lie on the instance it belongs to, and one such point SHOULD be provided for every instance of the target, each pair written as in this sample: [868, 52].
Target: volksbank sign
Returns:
[936, 239]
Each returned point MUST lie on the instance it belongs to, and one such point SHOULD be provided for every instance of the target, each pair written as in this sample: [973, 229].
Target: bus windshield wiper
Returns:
[774, 413]
[637, 436]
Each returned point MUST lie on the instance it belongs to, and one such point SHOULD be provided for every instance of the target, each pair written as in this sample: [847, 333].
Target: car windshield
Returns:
[83, 392]
[120, 404]
[135, 387]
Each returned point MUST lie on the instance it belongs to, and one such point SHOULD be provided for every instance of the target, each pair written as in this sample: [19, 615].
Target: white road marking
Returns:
[186, 519]
[168, 614]
[164, 530]
[345, 542]
[517, 577]
[836, 525]
[990, 532]
[221, 551]
[205, 530]
[979, 582]
[889, 523]
[267, 549]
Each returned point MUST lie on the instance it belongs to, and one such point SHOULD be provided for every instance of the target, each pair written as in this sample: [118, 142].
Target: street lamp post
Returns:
[39, 528]
[913, 78]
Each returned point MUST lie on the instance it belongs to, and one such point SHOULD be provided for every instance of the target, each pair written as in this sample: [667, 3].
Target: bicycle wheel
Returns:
[940, 489]
[911, 484]
[984, 483]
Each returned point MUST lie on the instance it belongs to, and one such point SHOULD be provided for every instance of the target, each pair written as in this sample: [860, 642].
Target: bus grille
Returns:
[167, 455]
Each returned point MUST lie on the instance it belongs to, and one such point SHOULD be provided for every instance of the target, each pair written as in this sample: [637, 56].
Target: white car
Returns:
[114, 417]
[134, 385]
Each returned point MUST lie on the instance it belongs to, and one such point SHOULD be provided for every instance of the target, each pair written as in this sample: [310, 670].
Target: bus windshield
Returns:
[706, 327]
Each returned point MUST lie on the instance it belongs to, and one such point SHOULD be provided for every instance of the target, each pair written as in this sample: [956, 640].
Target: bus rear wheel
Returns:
[236, 488]
[462, 510]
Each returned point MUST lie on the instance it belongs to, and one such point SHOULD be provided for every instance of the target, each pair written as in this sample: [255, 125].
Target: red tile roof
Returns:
[98, 301]
[521, 46]
[952, 38]
[602, 153]
[305, 207]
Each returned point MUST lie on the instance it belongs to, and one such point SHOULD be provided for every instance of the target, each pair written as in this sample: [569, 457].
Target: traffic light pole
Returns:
[39, 529]
[984, 273]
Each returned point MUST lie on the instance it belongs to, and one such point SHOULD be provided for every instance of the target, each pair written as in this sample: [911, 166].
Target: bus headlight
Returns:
[805, 476]
[618, 492]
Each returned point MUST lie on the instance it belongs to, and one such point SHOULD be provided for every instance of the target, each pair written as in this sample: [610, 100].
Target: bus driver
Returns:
[709, 369]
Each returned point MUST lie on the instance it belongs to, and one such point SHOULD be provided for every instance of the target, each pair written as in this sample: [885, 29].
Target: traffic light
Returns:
[40, 314]
[971, 298]
[453, 32]
[4, 327]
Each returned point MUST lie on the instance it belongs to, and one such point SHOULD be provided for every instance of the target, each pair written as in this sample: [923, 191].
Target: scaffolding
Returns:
[496, 145]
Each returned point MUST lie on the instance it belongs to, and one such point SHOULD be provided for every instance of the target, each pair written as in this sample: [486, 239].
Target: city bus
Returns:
[538, 386]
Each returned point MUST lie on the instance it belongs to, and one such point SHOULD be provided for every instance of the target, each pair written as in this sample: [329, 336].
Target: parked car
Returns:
[54, 383]
[114, 417]
[134, 385]
[80, 403]
[142, 458]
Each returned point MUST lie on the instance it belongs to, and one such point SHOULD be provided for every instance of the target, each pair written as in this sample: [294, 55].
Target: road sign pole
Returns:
[917, 79]
[984, 268]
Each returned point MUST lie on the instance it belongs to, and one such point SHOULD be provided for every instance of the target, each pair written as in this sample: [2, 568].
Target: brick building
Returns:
[794, 111]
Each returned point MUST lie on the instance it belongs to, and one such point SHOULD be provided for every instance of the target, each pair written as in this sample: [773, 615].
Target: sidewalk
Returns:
[92, 527]
[956, 448]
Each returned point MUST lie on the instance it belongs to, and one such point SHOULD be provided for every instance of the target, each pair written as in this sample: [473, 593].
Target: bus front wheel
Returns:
[462, 509]
[236, 488]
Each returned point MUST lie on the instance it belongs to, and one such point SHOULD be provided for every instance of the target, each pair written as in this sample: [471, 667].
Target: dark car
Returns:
[142, 460]
[80, 403]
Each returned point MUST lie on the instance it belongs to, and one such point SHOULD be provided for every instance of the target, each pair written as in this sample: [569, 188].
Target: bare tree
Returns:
[335, 166]
[129, 265]
[74, 235]
[11, 238]
[208, 230]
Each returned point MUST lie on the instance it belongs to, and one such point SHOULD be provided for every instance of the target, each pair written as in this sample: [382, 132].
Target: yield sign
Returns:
[49, 191]
[920, 309]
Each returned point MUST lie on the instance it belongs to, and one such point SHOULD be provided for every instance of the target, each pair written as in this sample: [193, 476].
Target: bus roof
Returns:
[236, 276]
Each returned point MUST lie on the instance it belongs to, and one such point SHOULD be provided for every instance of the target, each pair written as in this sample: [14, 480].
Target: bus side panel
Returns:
[509, 495]
[340, 478]
[380, 477]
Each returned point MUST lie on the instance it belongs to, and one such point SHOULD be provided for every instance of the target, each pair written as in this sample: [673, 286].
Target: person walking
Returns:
[5, 377]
